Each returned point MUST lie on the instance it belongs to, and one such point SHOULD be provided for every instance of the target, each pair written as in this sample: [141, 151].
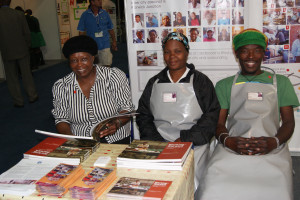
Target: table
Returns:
[181, 188]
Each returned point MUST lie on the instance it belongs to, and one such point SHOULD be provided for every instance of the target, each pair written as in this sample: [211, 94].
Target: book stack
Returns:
[70, 152]
[21, 178]
[144, 154]
[134, 188]
[58, 180]
[93, 184]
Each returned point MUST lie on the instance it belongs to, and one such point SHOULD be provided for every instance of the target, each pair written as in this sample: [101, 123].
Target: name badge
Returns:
[256, 96]
[169, 97]
[99, 34]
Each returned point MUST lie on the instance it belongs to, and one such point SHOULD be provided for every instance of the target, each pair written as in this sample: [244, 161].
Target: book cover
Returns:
[94, 130]
[93, 184]
[57, 181]
[70, 152]
[155, 151]
[134, 188]
[83, 144]
[45, 147]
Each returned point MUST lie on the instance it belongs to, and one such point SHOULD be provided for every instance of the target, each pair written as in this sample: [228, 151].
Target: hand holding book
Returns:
[111, 125]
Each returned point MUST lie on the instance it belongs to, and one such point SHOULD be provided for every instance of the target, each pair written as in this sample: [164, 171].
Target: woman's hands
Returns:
[110, 128]
[251, 146]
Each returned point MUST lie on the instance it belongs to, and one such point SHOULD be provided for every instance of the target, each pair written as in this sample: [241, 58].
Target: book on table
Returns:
[57, 181]
[93, 184]
[146, 154]
[135, 188]
[95, 129]
[71, 152]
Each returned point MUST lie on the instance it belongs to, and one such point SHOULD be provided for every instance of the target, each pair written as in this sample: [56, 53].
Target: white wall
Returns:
[45, 11]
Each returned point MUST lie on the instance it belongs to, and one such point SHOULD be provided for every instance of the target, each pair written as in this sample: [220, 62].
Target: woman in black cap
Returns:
[90, 94]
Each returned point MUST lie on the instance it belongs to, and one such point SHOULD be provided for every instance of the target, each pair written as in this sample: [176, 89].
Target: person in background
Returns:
[296, 48]
[224, 35]
[209, 18]
[179, 103]
[281, 37]
[164, 33]
[194, 4]
[152, 20]
[153, 37]
[194, 21]
[252, 159]
[90, 94]
[209, 36]
[14, 47]
[96, 23]
[179, 20]
[237, 17]
[37, 40]
[165, 20]
[223, 18]
[140, 37]
[138, 23]
[209, 4]
[194, 35]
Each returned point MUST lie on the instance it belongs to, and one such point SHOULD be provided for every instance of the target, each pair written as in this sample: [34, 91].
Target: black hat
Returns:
[81, 43]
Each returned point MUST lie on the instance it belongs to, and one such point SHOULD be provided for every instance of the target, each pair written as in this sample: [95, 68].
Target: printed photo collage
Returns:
[281, 24]
[203, 21]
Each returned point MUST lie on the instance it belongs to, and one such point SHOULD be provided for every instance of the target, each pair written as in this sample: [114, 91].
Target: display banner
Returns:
[210, 26]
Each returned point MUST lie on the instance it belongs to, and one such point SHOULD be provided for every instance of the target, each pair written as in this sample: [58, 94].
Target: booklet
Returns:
[94, 130]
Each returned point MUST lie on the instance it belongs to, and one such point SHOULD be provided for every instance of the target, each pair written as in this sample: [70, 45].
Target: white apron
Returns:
[175, 107]
[230, 176]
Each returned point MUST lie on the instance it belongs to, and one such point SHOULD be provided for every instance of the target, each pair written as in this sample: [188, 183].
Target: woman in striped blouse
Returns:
[90, 94]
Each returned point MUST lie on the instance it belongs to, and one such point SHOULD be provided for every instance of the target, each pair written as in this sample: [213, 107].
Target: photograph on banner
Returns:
[223, 17]
[276, 54]
[285, 3]
[269, 4]
[165, 32]
[194, 18]
[180, 30]
[194, 4]
[238, 3]
[194, 35]
[152, 20]
[223, 33]
[209, 34]
[138, 36]
[295, 44]
[223, 3]
[293, 16]
[236, 30]
[146, 58]
[152, 36]
[138, 20]
[274, 16]
[165, 19]
[238, 16]
[209, 18]
[209, 4]
[180, 20]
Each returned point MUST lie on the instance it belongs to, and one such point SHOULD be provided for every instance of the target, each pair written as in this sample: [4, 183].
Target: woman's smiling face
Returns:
[175, 55]
[81, 64]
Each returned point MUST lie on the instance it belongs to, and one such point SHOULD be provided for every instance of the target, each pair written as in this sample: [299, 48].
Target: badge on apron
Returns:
[169, 97]
[99, 34]
[255, 96]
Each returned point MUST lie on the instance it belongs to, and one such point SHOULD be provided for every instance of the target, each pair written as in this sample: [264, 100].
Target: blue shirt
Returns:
[95, 24]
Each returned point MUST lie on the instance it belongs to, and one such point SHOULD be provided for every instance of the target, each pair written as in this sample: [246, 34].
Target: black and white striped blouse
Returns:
[109, 95]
